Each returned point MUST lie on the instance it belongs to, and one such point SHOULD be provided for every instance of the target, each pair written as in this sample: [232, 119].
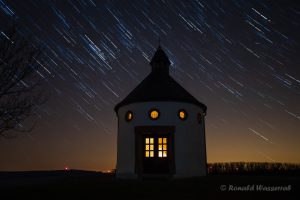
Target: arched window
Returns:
[154, 114]
[199, 118]
[129, 116]
[182, 114]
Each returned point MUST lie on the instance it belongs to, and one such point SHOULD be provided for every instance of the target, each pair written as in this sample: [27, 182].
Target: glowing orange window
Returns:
[149, 147]
[162, 147]
[154, 114]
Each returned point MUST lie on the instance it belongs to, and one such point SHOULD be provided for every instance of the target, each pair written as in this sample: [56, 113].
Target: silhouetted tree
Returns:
[20, 92]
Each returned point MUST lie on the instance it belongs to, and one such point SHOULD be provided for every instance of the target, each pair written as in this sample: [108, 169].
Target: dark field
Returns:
[75, 184]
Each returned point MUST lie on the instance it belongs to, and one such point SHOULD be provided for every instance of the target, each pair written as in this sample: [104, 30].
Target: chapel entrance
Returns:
[154, 150]
[155, 159]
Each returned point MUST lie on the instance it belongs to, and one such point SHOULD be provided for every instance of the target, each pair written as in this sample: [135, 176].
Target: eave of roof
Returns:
[156, 87]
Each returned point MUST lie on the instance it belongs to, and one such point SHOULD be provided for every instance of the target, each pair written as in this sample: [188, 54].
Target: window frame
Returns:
[149, 152]
[163, 151]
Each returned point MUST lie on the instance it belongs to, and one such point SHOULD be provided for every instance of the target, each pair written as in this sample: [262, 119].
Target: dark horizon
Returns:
[239, 58]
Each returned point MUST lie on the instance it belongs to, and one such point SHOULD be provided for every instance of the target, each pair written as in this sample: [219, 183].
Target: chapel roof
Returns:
[159, 86]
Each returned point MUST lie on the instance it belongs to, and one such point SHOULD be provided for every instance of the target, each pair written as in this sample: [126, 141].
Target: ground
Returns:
[92, 185]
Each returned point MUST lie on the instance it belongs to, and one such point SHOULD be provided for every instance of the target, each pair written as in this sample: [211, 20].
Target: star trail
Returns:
[240, 58]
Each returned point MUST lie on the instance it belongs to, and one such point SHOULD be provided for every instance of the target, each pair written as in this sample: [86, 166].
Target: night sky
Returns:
[240, 58]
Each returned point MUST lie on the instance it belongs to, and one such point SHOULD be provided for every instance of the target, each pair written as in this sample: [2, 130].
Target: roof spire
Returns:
[160, 61]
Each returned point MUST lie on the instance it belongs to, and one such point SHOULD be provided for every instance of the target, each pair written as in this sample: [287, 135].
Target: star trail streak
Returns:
[241, 58]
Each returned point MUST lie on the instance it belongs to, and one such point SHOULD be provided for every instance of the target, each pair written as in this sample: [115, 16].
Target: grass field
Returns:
[75, 184]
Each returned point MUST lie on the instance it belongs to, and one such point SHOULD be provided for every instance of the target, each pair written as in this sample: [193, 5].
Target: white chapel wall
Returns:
[189, 141]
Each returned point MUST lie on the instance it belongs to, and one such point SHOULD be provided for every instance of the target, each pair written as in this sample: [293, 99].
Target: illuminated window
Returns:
[162, 147]
[182, 114]
[149, 147]
[154, 114]
[129, 116]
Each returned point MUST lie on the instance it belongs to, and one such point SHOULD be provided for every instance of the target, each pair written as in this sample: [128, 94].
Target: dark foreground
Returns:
[93, 185]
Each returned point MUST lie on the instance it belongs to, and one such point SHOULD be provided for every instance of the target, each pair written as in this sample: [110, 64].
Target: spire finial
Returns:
[159, 41]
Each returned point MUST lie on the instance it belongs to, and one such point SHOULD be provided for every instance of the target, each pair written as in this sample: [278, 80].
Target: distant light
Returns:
[67, 168]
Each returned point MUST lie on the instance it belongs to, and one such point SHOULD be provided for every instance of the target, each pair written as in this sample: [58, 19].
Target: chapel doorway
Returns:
[155, 154]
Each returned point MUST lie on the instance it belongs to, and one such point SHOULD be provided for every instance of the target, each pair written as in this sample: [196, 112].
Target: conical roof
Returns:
[160, 57]
[159, 86]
